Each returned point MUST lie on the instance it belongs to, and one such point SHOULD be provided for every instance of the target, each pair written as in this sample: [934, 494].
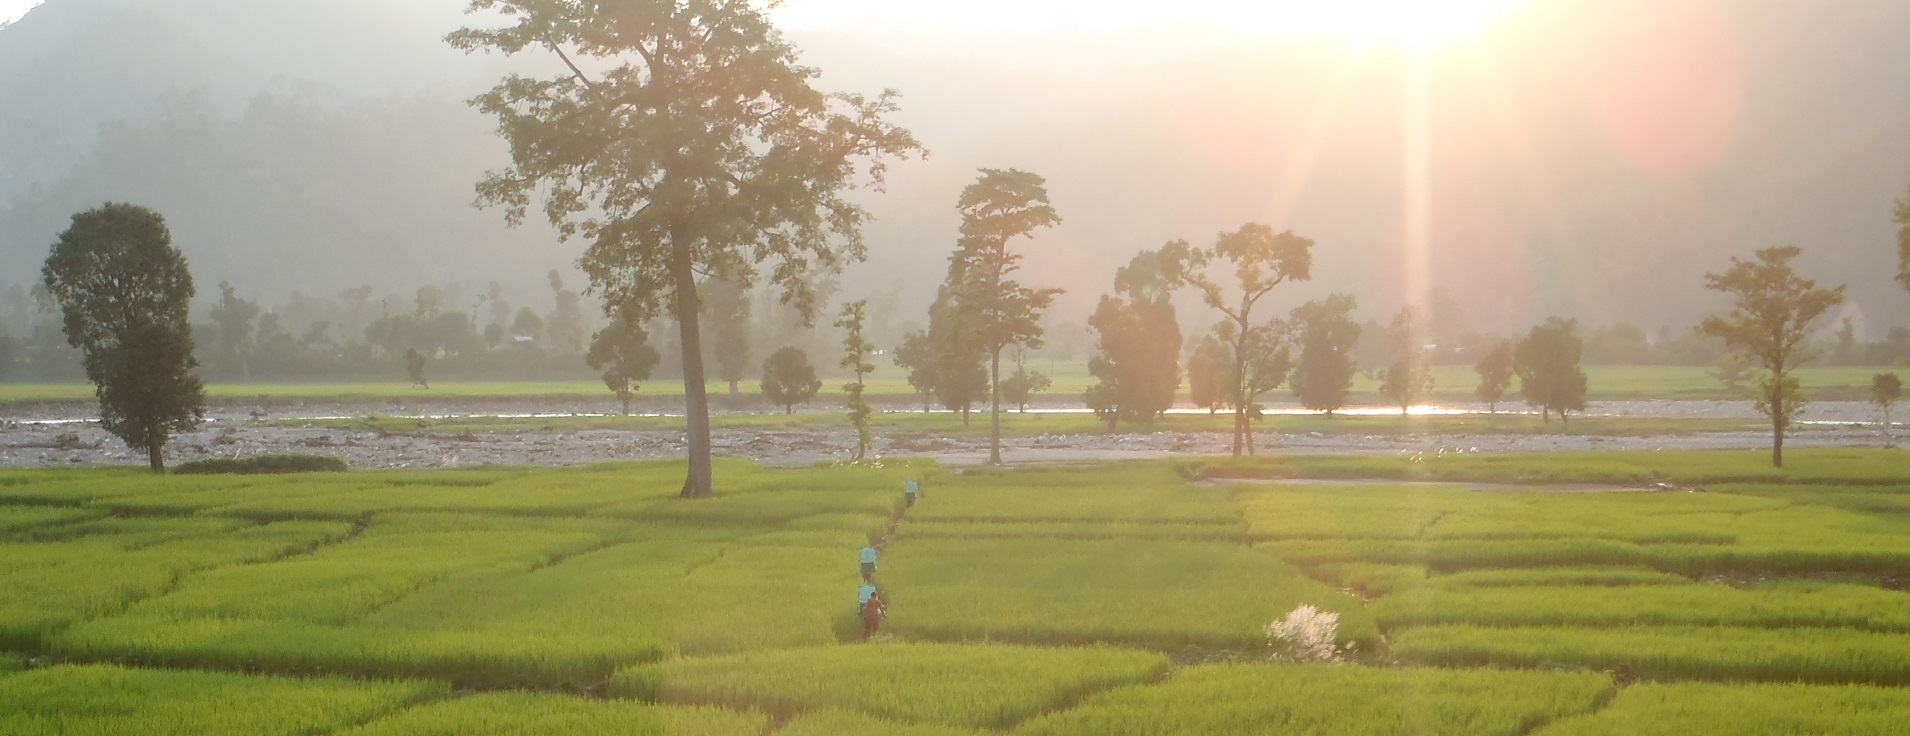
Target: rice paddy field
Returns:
[1558, 595]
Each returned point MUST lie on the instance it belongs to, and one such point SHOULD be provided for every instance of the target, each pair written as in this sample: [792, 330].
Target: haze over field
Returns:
[1590, 159]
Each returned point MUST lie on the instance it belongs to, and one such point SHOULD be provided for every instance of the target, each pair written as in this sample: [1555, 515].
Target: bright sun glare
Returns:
[1425, 22]
[1407, 21]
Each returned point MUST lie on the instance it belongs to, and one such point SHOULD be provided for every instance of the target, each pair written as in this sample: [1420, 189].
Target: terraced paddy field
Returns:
[1547, 594]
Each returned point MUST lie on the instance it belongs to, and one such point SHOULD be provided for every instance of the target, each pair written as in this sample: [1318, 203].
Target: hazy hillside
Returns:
[1590, 159]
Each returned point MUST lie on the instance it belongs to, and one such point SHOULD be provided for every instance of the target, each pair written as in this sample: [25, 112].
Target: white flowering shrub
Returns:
[1307, 634]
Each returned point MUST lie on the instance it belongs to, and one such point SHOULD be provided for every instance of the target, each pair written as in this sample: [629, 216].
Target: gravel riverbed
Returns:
[66, 437]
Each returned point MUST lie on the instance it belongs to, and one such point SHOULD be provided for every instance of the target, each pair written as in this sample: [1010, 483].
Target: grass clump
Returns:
[973, 686]
[1748, 710]
[262, 465]
[1243, 699]
[534, 714]
[97, 699]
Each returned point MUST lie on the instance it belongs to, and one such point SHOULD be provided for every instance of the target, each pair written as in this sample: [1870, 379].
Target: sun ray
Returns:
[1320, 125]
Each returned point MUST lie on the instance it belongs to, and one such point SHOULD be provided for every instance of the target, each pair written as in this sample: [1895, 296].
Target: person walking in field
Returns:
[869, 603]
[867, 558]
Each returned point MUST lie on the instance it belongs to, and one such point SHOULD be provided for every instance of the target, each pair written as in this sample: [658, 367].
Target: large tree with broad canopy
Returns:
[682, 139]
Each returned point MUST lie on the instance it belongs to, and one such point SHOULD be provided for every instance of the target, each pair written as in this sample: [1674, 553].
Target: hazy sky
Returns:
[1374, 19]
[12, 9]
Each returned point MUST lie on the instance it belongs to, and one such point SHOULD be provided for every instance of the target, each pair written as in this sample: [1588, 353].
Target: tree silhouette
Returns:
[622, 355]
[123, 293]
[789, 379]
[1495, 374]
[1409, 379]
[1885, 390]
[1326, 335]
[1138, 338]
[1001, 206]
[1770, 319]
[1547, 362]
[855, 357]
[1262, 260]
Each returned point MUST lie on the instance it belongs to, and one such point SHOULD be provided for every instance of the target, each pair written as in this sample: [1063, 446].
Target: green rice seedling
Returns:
[1158, 594]
[972, 686]
[11, 663]
[1465, 554]
[545, 658]
[1560, 576]
[537, 714]
[24, 517]
[126, 534]
[1211, 532]
[1748, 710]
[1823, 466]
[765, 508]
[634, 588]
[1133, 493]
[1880, 499]
[396, 556]
[1346, 512]
[850, 723]
[1252, 699]
[1797, 654]
[1370, 579]
[87, 700]
[89, 486]
[57, 584]
[1853, 606]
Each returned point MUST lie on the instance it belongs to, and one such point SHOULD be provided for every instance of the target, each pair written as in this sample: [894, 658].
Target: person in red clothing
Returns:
[872, 610]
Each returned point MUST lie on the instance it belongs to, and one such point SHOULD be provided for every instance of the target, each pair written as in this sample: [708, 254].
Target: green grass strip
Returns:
[98, 699]
[533, 714]
[1745, 710]
[1681, 652]
[1248, 700]
[975, 686]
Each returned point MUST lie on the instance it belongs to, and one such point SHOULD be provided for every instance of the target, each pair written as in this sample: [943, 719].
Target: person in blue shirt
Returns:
[912, 491]
[868, 563]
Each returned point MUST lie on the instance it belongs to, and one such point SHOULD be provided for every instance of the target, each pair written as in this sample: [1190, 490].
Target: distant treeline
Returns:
[361, 335]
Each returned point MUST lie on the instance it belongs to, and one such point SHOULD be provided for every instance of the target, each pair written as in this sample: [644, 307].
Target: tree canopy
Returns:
[999, 207]
[1408, 379]
[789, 379]
[1769, 323]
[1325, 333]
[1138, 338]
[124, 291]
[622, 355]
[1547, 362]
[1262, 260]
[1495, 373]
[683, 139]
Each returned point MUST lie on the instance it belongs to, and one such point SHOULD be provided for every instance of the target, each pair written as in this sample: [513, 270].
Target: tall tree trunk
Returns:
[1778, 415]
[734, 392]
[153, 450]
[699, 482]
[626, 403]
[994, 431]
